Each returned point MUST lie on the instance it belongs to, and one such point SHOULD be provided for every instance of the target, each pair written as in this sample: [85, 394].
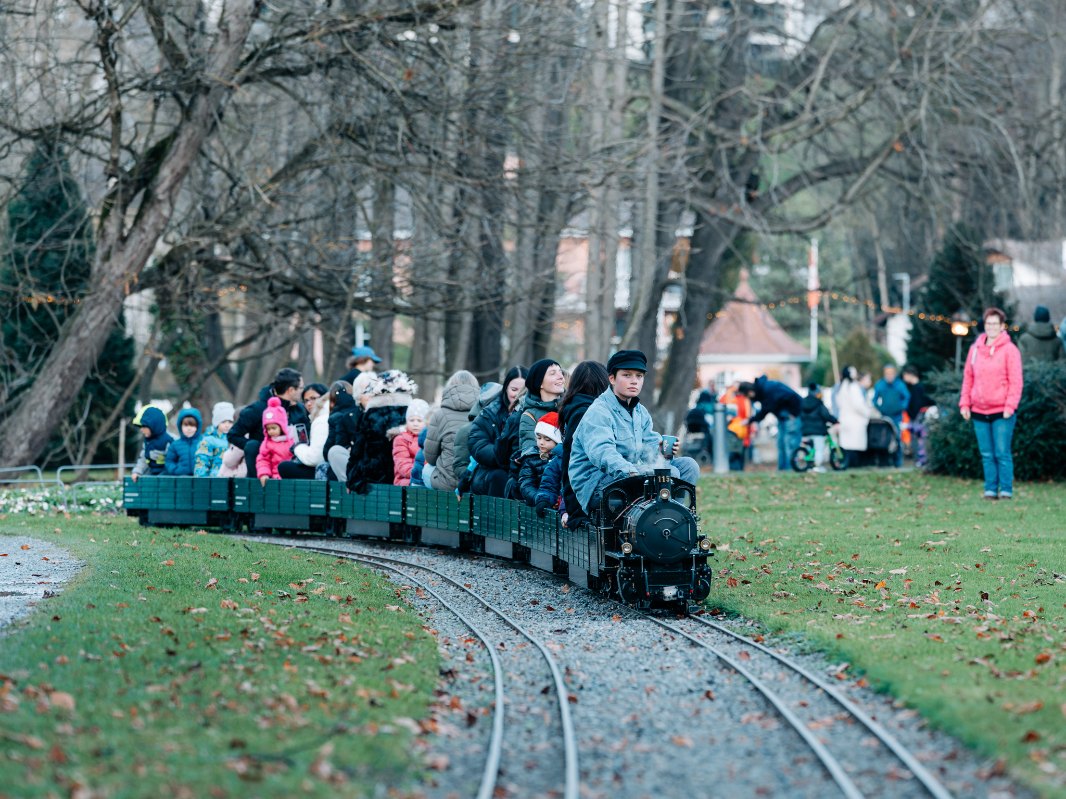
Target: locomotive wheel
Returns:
[801, 460]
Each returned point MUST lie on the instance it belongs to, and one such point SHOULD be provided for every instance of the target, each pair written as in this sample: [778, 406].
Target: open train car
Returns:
[643, 547]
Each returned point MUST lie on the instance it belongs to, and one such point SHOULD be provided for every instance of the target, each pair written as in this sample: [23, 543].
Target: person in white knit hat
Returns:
[214, 444]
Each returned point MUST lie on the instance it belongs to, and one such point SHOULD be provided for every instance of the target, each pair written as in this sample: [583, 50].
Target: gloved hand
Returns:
[465, 479]
[542, 508]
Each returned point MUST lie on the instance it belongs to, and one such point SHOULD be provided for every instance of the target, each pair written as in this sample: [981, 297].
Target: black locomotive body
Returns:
[652, 550]
[643, 545]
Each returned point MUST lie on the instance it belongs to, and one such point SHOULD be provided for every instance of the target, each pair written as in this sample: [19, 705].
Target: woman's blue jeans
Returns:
[993, 441]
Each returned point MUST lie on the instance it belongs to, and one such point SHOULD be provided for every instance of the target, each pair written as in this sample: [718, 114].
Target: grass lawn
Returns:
[953, 604]
[184, 664]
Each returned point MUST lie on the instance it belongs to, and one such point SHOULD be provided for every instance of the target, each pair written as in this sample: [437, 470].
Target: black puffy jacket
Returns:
[571, 416]
[343, 422]
[371, 456]
[490, 478]
[249, 424]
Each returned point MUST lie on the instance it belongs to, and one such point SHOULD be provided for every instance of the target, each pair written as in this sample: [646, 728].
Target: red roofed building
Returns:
[745, 341]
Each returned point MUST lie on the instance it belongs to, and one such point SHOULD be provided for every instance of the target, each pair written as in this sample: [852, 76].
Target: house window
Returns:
[1003, 276]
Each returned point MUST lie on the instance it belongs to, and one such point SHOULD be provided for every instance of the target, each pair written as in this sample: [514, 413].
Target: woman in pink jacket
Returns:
[991, 391]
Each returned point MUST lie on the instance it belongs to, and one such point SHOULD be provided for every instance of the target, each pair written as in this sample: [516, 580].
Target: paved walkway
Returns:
[30, 570]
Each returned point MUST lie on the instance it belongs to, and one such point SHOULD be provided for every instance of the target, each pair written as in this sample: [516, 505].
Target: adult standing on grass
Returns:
[991, 391]
[784, 403]
[891, 396]
[854, 412]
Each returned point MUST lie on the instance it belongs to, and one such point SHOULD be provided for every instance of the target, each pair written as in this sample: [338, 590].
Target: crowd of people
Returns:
[555, 439]
[850, 411]
[874, 422]
[542, 436]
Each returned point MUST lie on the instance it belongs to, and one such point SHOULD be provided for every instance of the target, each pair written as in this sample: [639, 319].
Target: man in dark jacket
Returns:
[917, 407]
[784, 403]
[247, 432]
[891, 396]
[1040, 342]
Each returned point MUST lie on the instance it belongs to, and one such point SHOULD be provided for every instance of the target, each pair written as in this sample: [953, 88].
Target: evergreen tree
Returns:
[45, 271]
[960, 279]
[46, 263]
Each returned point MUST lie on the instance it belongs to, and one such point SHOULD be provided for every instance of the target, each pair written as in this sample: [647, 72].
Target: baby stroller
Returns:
[697, 443]
[882, 441]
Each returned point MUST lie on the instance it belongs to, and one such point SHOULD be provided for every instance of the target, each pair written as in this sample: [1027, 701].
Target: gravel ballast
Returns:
[655, 715]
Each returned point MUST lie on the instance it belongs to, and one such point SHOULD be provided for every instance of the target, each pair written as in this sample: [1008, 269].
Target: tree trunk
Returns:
[383, 239]
[122, 253]
[710, 241]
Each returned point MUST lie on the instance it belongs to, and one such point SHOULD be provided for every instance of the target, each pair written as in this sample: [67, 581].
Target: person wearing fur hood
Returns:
[384, 416]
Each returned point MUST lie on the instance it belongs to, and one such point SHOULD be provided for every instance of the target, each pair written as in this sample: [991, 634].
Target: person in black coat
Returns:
[343, 426]
[917, 408]
[247, 431]
[491, 475]
[383, 418]
[784, 403]
[588, 381]
[815, 420]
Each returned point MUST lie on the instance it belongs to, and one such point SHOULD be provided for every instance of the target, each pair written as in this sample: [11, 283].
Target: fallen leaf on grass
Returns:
[1024, 708]
[61, 700]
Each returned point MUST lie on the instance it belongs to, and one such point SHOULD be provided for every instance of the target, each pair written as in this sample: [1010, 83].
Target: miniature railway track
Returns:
[931, 785]
[495, 763]
[803, 716]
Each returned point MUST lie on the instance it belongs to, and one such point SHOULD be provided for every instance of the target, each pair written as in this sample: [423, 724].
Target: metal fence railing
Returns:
[70, 489]
[4, 480]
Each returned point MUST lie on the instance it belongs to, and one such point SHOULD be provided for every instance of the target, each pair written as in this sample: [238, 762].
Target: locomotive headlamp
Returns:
[627, 548]
[705, 544]
[664, 494]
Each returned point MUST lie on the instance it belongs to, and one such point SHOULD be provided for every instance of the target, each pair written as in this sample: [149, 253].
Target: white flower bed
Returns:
[47, 500]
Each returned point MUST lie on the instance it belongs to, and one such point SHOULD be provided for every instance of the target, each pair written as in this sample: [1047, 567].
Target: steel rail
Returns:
[829, 762]
[572, 786]
[928, 781]
[492, 761]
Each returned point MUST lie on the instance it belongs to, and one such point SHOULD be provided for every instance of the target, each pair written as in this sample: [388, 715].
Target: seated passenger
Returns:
[384, 416]
[460, 393]
[153, 458]
[247, 431]
[181, 455]
[549, 440]
[276, 446]
[615, 437]
[405, 445]
[214, 444]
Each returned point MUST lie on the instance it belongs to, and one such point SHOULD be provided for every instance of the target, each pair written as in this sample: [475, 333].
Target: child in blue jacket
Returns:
[181, 455]
[153, 424]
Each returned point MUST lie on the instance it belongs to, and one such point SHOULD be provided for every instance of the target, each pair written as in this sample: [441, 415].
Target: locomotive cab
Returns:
[653, 548]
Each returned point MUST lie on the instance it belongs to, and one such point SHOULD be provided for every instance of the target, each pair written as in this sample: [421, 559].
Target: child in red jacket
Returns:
[277, 442]
[405, 442]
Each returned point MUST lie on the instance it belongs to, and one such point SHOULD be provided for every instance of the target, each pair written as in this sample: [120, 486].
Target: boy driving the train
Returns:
[615, 438]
